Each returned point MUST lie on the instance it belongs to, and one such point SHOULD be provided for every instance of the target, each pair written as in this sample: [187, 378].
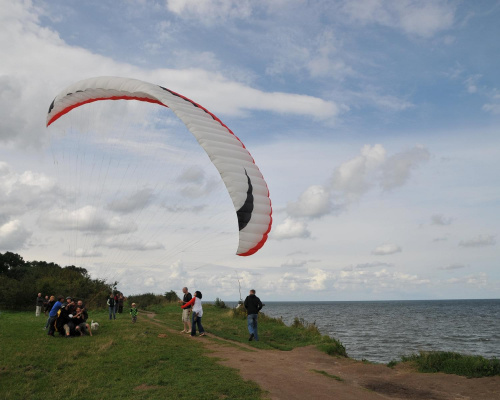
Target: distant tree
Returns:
[219, 303]
[171, 296]
[20, 281]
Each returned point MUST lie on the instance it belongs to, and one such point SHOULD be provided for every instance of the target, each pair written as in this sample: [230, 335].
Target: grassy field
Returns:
[135, 361]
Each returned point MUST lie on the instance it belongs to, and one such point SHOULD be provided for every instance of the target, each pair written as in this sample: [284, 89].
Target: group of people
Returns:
[44, 304]
[192, 313]
[115, 304]
[67, 317]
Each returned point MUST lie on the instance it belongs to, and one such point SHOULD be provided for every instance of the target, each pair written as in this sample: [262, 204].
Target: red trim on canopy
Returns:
[71, 107]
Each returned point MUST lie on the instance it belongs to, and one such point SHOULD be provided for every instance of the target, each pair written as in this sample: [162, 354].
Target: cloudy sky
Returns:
[376, 125]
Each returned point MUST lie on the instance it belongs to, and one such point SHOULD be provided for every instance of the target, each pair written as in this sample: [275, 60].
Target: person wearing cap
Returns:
[133, 312]
[53, 314]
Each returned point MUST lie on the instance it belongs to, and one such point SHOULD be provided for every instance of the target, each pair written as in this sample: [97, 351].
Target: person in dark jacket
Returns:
[111, 305]
[253, 305]
[64, 323]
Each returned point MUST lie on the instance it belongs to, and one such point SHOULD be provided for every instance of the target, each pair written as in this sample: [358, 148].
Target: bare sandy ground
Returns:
[307, 373]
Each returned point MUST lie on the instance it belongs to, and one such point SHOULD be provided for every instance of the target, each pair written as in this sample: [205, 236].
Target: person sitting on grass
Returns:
[80, 322]
[197, 313]
[64, 324]
[133, 312]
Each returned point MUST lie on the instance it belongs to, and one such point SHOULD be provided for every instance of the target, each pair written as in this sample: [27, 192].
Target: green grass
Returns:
[122, 360]
[454, 363]
[337, 378]
[273, 333]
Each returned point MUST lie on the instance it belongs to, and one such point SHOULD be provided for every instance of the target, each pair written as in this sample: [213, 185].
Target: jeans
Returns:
[197, 322]
[252, 325]
[52, 328]
[112, 312]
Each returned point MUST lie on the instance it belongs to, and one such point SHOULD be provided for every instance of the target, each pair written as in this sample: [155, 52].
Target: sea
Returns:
[382, 331]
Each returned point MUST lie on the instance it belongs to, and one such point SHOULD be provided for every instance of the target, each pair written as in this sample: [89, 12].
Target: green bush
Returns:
[454, 363]
[219, 303]
[171, 297]
[147, 300]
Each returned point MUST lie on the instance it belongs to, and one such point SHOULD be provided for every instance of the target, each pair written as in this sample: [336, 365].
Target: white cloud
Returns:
[136, 201]
[25, 43]
[318, 279]
[471, 83]
[386, 249]
[211, 11]
[479, 241]
[13, 235]
[493, 108]
[313, 203]
[441, 220]
[293, 263]
[354, 177]
[131, 244]
[397, 168]
[421, 18]
[290, 229]
[24, 192]
[453, 267]
[193, 174]
[478, 280]
[85, 219]
[83, 253]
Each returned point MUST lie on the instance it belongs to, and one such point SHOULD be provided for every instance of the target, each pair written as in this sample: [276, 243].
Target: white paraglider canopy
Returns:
[242, 178]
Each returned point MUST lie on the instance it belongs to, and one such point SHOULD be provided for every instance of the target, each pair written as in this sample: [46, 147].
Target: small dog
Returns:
[94, 325]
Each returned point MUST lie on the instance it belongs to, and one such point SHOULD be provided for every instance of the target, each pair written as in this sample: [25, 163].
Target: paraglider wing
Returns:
[243, 180]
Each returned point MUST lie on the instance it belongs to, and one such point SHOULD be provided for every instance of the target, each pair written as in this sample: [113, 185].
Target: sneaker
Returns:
[251, 337]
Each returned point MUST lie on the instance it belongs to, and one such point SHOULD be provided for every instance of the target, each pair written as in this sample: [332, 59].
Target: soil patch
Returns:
[306, 373]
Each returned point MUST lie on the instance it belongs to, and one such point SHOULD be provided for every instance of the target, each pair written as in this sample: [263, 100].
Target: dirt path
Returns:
[307, 373]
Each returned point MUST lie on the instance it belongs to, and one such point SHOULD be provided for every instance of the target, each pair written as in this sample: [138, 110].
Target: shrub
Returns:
[171, 296]
[454, 363]
[146, 300]
[219, 303]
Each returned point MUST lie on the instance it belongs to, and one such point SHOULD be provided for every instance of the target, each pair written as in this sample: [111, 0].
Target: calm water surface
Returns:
[381, 331]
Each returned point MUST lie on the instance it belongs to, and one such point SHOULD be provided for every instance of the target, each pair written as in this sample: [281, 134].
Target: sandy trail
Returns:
[307, 373]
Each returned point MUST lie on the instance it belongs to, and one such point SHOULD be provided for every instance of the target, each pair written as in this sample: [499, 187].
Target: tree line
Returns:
[21, 281]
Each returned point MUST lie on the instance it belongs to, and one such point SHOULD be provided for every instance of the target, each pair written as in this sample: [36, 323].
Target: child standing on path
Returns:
[133, 312]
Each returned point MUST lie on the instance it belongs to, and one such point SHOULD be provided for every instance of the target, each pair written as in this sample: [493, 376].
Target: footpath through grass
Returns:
[136, 361]
[231, 324]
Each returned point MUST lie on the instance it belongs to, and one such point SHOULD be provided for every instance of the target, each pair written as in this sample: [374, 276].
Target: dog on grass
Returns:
[94, 325]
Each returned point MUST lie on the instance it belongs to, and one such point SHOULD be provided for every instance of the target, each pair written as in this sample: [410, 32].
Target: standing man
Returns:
[186, 312]
[253, 305]
[39, 304]
[111, 305]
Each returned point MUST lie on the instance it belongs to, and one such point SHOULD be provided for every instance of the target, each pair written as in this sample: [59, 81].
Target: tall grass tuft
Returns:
[454, 363]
